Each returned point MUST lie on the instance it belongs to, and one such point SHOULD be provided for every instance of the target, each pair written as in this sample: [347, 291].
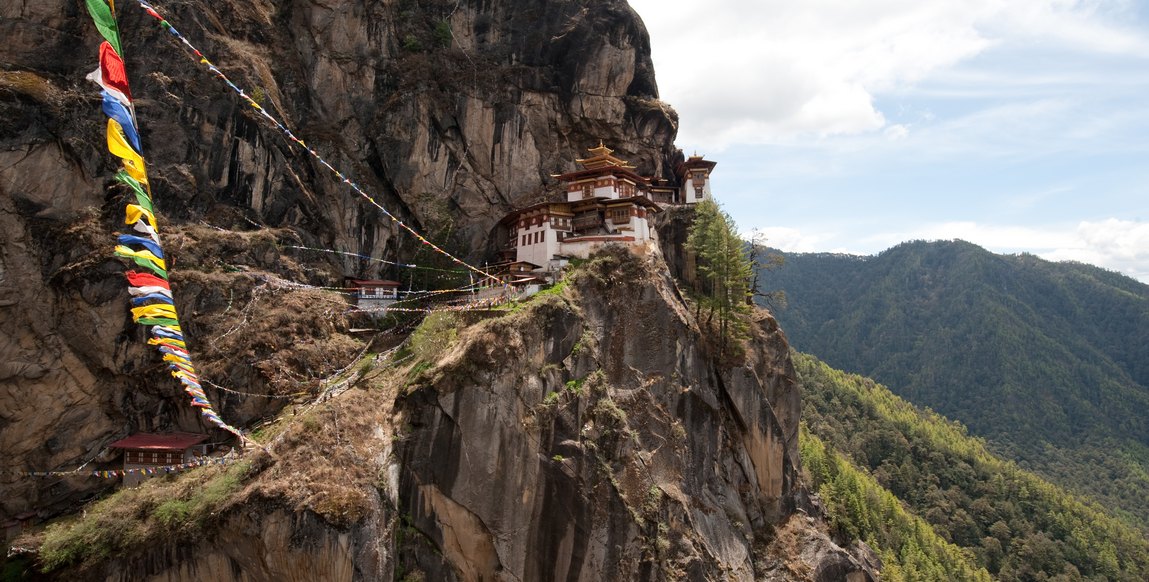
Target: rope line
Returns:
[292, 137]
[370, 258]
[284, 396]
[153, 470]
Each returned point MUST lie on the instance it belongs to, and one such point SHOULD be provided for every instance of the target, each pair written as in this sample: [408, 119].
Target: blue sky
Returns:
[837, 125]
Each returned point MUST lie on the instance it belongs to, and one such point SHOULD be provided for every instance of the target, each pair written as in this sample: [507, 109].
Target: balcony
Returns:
[587, 221]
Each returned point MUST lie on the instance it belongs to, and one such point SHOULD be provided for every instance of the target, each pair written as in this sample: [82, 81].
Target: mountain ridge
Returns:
[1048, 361]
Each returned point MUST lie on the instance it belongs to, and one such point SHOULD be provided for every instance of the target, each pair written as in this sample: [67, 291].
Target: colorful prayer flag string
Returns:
[151, 301]
[149, 471]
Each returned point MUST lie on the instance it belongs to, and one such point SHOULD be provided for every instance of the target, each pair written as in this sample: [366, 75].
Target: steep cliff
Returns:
[587, 435]
[449, 113]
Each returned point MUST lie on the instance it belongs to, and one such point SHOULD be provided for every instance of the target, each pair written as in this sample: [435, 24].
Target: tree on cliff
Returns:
[724, 273]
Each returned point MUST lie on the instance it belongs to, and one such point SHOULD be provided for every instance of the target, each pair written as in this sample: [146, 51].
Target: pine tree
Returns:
[724, 273]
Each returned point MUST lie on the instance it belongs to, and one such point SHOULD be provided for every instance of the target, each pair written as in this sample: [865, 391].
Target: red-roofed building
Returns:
[372, 293]
[146, 450]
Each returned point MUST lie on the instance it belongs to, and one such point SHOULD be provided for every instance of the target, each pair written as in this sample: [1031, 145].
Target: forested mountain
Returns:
[865, 449]
[1048, 361]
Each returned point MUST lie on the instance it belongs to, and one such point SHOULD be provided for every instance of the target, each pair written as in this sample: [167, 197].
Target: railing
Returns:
[583, 222]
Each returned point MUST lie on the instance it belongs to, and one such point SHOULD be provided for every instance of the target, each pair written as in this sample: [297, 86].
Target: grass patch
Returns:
[608, 408]
[575, 386]
[160, 510]
[556, 289]
[431, 339]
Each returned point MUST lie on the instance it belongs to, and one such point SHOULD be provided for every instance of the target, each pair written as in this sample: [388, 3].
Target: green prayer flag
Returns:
[142, 197]
[105, 22]
[149, 265]
[158, 321]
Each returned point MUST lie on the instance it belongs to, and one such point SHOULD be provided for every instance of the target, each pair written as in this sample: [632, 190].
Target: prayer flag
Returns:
[144, 259]
[164, 341]
[119, 146]
[147, 243]
[133, 213]
[105, 22]
[165, 321]
[138, 279]
[145, 228]
[116, 110]
[154, 311]
[142, 197]
[150, 290]
[148, 258]
[112, 71]
[98, 78]
[143, 299]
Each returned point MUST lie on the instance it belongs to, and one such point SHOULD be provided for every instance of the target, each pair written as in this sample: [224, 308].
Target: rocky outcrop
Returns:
[449, 113]
[594, 438]
[274, 545]
[588, 436]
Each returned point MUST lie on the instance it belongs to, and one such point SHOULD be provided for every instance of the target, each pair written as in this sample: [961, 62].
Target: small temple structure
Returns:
[372, 293]
[694, 177]
[148, 450]
[605, 201]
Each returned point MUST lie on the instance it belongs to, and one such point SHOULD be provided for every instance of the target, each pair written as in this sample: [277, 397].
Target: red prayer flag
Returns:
[112, 69]
[138, 279]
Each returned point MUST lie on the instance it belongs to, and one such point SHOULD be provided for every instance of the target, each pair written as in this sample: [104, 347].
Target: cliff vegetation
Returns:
[1002, 518]
[1046, 361]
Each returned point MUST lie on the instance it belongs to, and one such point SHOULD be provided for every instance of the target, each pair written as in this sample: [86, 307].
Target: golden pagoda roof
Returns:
[602, 158]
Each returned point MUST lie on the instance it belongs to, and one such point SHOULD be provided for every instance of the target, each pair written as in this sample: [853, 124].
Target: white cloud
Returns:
[897, 131]
[1121, 245]
[769, 71]
[791, 240]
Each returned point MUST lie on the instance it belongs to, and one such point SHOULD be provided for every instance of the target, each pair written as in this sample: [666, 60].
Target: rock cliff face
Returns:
[587, 436]
[596, 440]
[450, 113]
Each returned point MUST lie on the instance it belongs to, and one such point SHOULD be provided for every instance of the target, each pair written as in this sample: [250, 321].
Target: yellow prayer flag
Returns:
[176, 359]
[119, 146]
[159, 310]
[131, 253]
[167, 342]
[134, 212]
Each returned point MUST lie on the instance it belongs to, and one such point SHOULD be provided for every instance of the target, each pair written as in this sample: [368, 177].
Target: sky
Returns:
[847, 126]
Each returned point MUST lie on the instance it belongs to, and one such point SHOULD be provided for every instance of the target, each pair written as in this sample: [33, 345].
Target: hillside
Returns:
[1005, 519]
[1048, 361]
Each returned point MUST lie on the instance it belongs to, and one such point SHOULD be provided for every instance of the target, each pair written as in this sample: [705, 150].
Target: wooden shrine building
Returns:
[372, 293]
[149, 450]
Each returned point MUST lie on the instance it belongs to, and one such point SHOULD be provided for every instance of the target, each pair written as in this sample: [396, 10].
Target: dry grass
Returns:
[326, 459]
[329, 458]
[32, 86]
[251, 334]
